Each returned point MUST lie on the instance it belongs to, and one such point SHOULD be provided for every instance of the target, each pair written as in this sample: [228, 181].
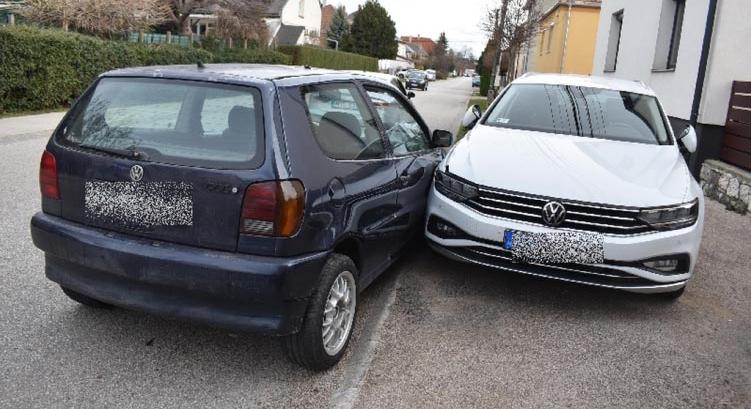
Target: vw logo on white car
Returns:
[553, 213]
[136, 173]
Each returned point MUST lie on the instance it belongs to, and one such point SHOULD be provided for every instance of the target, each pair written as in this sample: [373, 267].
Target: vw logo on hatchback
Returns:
[136, 173]
[553, 213]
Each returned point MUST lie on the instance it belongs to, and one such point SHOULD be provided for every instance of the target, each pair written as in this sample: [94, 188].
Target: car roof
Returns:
[212, 71]
[636, 87]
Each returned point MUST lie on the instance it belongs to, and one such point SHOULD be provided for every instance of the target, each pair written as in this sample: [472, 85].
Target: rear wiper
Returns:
[130, 152]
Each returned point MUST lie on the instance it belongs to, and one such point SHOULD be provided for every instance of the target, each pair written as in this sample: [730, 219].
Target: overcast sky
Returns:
[460, 19]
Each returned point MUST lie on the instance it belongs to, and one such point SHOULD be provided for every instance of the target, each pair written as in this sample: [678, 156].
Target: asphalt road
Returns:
[431, 332]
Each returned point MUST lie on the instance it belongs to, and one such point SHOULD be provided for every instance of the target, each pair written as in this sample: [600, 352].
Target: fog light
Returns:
[666, 265]
[444, 230]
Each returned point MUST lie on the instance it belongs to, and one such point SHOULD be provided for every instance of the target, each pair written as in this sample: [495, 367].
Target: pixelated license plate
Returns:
[139, 204]
[555, 248]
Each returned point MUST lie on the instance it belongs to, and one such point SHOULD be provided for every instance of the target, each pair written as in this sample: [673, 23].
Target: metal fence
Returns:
[156, 38]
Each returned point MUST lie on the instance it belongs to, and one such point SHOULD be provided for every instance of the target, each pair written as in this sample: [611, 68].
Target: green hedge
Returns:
[45, 69]
[325, 58]
[260, 56]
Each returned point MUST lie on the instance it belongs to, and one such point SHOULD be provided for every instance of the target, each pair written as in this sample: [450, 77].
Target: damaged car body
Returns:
[258, 198]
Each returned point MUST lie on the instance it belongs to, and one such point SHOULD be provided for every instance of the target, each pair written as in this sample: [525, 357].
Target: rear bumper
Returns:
[237, 291]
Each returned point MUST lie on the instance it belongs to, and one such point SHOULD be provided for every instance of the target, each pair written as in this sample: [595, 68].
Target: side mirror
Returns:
[442, 139]
[410, 95]
[688, 138]
[471, 117]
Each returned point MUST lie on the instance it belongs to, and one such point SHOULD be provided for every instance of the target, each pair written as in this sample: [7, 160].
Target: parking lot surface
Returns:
[450, 334]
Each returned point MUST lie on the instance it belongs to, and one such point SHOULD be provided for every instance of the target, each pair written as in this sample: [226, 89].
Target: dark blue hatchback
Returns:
[261, 198]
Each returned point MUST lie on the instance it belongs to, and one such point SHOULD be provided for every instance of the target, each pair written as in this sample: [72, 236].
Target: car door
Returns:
[348, 157]
[414, 158]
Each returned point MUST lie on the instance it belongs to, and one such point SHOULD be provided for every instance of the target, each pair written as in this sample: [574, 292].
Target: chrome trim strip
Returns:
[573, 270]
[647, 289]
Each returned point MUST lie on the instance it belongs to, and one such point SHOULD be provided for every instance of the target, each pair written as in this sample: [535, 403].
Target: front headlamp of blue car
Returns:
[671, 217]
[453, 188]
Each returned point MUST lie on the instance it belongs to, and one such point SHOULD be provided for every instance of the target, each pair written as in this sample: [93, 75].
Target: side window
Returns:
[402, 129]
[342, 123]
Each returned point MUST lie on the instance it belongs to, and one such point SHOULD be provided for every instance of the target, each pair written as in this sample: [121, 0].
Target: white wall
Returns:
[729, 59]
[639, 38]
[311, 19]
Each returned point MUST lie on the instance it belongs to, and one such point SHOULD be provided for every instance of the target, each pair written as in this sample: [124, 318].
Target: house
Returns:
[690, 53]
[294, 22]
[426, 44]
[565, 42]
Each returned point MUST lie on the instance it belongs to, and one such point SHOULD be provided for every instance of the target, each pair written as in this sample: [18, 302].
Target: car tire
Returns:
[84, 300]
[673, 295]
[308, 347]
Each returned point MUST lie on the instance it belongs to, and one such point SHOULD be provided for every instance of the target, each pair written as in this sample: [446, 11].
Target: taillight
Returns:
[48, 176]
[273, 208]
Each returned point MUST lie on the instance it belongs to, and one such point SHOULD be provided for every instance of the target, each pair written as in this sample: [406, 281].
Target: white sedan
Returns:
[572, 178]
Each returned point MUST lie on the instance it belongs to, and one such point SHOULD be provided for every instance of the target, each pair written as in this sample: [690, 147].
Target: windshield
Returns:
[417, 75]
[171, 121]
[583, 111]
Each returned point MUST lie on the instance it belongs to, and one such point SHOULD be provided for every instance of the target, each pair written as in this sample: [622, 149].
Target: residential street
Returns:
[430, 332]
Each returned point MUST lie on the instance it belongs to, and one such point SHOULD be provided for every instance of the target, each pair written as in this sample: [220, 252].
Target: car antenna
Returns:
[200, 65]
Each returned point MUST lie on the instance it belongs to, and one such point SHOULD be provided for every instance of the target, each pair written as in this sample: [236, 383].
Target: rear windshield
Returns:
[583, 111]
[417, 75]
[171, 121]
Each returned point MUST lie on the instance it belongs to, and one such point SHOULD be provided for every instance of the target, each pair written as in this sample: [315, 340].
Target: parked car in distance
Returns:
[476, 81]
[386, 79]
[430, 74]
[573, 178]
[417, 79]
[252, 197]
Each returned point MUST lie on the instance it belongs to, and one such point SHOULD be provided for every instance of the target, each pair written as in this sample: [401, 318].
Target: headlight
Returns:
[454, 188]
[422, 81]
[673, 217]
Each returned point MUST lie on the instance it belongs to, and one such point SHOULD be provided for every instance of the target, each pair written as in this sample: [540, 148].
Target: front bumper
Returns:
[231, 290]
[624, 255]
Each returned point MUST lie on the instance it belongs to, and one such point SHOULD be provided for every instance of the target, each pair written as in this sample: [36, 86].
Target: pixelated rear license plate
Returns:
[140, 204]
[555, 248]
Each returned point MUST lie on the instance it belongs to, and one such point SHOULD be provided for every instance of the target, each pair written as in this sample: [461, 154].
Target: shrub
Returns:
[324, 58]
[240, 55]
[484, 84]
[44, 69]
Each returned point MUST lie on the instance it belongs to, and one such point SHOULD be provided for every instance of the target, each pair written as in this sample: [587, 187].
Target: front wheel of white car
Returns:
[330, 318]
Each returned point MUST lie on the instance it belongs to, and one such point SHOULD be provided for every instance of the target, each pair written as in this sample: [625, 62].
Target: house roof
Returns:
[274, 9]
[288, 35]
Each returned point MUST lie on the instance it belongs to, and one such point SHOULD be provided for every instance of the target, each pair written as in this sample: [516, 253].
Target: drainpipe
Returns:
[565, 39]
[703, 62]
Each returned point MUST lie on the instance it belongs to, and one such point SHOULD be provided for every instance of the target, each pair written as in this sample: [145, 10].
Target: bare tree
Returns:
[242, 19]
[103, 17]
[510, 27]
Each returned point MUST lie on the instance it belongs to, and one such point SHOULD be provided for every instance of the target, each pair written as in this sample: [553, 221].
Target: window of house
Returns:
[550, 37]
[614, 41]
[301, 9]
[669, 34]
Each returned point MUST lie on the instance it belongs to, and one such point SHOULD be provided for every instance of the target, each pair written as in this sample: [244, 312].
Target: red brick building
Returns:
[427, 44]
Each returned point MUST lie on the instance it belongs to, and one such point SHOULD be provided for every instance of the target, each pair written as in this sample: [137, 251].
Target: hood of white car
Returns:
[572, 167]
